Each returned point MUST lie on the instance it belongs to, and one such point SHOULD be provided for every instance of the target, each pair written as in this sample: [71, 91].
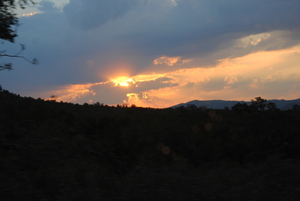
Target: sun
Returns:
[122, 81]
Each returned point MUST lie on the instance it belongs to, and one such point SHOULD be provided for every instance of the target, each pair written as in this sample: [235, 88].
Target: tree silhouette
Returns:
[259, 103]
[241, 107]
[8, 28]
[296, 107]
[272, 106]
[263, 104]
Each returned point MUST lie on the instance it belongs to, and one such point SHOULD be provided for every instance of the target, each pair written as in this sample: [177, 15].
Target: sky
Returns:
[156, 53]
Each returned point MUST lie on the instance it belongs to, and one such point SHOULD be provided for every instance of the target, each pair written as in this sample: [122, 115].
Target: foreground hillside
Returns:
[63, 151]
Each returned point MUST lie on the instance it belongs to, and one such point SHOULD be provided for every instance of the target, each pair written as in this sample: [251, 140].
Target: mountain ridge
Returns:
[221, 104]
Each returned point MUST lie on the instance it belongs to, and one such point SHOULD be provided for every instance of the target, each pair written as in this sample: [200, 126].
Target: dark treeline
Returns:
[62, 151]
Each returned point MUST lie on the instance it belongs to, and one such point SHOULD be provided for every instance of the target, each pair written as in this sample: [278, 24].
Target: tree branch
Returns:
[8, 66]
[8, 21]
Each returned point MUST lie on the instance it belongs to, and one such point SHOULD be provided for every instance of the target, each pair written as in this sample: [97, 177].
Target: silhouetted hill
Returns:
[290, 105]
[220, 104]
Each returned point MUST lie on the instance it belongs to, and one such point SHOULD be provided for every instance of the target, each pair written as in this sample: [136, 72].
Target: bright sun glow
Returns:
[122, 81]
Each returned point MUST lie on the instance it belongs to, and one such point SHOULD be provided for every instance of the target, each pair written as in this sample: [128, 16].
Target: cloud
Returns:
[47, 6]
[29, 14]
[253, 39]
[232, 79]
[243, 78]
[94, 13]
[170, 61]
[194, 28]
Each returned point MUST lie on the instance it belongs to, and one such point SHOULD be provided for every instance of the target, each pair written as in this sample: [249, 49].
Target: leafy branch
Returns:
[9, 24]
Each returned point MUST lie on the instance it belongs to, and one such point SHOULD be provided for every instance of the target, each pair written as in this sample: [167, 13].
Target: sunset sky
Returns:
[157, 53]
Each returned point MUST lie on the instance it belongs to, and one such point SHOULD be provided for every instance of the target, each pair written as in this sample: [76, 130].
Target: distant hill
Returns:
[220, 104]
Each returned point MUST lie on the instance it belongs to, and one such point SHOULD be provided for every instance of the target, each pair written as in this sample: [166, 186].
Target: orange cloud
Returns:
[241, 78]
[270, 74]
[170, 61]
[71, 93]
[78, 90]
[253, 39]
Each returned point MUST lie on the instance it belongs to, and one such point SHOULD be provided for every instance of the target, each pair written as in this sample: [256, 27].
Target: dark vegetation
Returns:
[63, 151]
[9, 23]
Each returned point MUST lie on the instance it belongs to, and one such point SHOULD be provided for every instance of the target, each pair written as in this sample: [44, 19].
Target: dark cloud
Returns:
[194, 28]
[93, 13]
[154, 84]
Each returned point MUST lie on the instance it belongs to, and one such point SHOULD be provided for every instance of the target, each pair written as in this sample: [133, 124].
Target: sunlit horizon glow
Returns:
[241, 78]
